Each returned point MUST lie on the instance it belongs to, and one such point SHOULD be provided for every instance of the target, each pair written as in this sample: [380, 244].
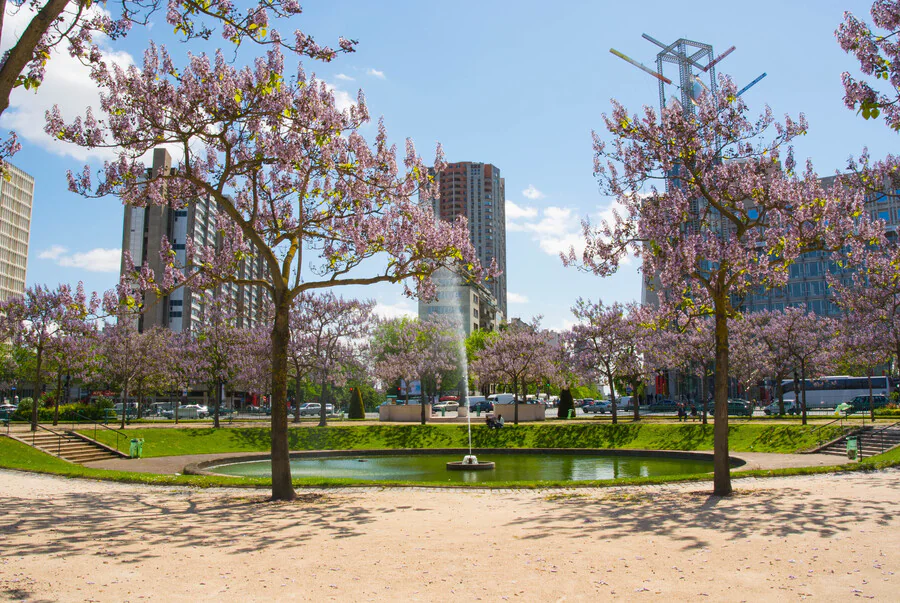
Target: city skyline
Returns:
[511, 102]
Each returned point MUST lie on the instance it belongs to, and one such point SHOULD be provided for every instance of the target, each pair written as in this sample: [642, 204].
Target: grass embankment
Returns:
[759, 438]
[743, 438]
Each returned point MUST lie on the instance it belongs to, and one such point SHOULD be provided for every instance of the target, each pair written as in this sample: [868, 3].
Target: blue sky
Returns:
[516, 84]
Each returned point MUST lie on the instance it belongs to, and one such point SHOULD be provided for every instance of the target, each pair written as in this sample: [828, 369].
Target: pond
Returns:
[509, 467]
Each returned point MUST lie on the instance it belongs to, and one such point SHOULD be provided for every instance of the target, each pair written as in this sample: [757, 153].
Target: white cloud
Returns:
[53, 253]
[398, 310]
[95, 260]
[66, 83]
[343, 76]
[516, 212]
[516, 298]
[555, 229]
[375, 73]
[532, 193]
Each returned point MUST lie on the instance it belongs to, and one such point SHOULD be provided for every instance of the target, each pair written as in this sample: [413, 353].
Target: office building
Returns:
[477, 192]
[143, 230]
[16, 199]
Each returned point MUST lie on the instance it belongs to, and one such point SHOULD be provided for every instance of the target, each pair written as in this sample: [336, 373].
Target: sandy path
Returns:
[831, 537]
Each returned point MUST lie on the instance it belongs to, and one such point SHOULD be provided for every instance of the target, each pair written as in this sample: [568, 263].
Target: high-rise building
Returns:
[807, 286]
[143, 230]
[16, 198]
[477, 192]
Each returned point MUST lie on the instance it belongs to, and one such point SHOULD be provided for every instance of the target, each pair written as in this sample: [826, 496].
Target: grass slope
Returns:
[743, 438]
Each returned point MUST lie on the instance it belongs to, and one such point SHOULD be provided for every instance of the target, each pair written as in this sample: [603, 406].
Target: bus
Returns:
[828, 392]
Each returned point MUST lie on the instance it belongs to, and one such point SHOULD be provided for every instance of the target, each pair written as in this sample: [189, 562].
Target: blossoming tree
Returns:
[327, 333]
[605, 343]
[878, 54]
[296, 184]
[40, 317]
[518, 355]
[712, 213]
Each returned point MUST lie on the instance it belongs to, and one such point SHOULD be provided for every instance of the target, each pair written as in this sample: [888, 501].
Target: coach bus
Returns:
[828, 392]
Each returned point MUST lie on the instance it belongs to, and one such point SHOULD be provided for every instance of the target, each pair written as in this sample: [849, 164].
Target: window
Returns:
[175, 314]
[795, 271]
[884, 215]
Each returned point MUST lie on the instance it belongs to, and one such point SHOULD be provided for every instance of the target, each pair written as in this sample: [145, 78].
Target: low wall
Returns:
[527, 412]
[403, 413]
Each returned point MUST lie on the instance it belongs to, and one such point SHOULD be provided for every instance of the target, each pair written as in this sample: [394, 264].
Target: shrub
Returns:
[565, 403]
[67, 412]
[356, 410]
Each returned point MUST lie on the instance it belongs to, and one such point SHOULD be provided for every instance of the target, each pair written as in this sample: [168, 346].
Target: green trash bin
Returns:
[137, 448]
[443, 411]
[852, 447]
[571, 413]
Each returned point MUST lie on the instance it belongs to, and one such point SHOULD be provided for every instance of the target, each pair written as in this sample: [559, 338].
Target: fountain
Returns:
[470, 462]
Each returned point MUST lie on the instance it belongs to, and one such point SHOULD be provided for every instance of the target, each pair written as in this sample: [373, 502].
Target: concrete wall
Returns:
[403, 413]
[527, 412]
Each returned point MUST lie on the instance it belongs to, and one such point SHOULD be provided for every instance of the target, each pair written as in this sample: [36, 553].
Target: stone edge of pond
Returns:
[201, 467]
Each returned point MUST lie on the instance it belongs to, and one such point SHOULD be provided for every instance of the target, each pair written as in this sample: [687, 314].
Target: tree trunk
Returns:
[704, 396]
[216, 403]
[59, 394]
[515, 385]
[282, 488]
[38, 386]
[721, 464]
[180, 402]
[124, 404]
[612, 399]
[423, 418]
[780, 386]
[803, 390]
[323, 405]
[297, 397]
[871, 399]
[637, 402]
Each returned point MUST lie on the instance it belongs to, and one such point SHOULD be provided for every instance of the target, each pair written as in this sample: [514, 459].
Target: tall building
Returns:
[807, 285]
[16, 199]
[142, 233]
[477, 192]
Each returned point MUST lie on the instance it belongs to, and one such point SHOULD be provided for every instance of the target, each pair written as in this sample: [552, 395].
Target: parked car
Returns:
[624, 403]
[861, 403]
[663, 406]
[740, 408]
[790, 408]
[188, 411]
[445, 405]
[501, 398]
[597, 406]
[312, 409]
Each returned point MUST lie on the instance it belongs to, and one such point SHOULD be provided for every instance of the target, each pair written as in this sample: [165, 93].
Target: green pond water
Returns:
[509, 467]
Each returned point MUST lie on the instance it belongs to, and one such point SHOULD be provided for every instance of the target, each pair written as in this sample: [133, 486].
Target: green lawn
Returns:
[743, 438]
[15, 455]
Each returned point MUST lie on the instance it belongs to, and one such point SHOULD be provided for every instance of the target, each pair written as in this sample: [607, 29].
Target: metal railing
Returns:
[877, 434]
[59, 438]
[96, 424]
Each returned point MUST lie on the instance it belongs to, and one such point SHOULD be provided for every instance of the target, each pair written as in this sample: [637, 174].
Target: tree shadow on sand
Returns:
[128, 526]
[684, 516]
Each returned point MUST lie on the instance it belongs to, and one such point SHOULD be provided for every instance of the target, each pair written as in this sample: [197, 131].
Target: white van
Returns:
[501, 398]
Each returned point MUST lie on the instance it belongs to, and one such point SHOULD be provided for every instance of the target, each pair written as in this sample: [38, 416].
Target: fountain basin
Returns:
[511, 465]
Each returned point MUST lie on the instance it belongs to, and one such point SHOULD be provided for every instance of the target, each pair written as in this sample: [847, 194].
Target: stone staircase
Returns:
[872, 440]
[70, 446]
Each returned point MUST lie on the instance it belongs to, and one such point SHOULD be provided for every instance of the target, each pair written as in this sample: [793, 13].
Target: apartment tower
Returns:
[143, 230]
[16, 198]
[477, 192]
